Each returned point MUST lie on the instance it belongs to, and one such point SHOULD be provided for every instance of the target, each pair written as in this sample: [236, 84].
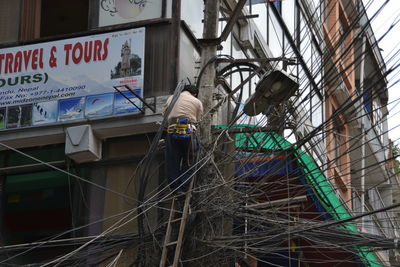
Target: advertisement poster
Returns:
[71, 79]
[123, 105]
[113, 12]
[99, 105]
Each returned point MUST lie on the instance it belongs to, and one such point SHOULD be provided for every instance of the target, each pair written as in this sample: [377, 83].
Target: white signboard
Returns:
[113, 12]
[71, 79]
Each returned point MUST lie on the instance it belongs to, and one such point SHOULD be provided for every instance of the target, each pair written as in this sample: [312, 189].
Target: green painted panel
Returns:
[53, 153]
[35, 181]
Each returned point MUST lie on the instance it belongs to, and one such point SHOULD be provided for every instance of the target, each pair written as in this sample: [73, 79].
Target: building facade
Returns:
[82, 88]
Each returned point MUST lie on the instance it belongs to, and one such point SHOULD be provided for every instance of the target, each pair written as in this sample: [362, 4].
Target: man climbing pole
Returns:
[181, 142]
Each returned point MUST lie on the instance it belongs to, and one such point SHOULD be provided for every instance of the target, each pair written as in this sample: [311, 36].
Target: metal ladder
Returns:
[182, 224]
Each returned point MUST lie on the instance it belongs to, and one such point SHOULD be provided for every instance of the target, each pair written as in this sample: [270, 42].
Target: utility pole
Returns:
[207, 173]
[208, 51]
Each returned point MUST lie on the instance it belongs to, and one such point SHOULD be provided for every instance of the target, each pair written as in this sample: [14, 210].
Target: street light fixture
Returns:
[273, 88]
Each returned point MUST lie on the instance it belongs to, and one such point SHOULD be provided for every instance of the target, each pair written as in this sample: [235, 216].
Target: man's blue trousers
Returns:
[180, 157]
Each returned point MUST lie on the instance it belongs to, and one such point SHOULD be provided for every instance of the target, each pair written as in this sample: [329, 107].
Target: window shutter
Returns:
[9, 20]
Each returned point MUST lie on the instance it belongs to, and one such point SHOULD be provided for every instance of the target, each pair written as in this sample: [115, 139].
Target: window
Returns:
[63, 17]
[341, 48]
[377, 120]
[30, 19]
[192, 14]
[260, 9]
[336, 147]
[339, 140]
[367, 102]
[275, 36]
[278, 5]
[9, 20]
[343, 39]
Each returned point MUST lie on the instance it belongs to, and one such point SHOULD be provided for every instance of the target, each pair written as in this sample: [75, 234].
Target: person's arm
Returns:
[165, 107]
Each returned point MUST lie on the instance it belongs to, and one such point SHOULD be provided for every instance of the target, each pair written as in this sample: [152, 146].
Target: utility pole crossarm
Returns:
[235, 15]
[228, 28]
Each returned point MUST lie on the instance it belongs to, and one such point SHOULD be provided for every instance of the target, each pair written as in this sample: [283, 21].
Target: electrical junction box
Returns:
[82, 145]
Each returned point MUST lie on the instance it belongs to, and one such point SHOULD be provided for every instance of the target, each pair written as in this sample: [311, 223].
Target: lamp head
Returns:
[273, 88]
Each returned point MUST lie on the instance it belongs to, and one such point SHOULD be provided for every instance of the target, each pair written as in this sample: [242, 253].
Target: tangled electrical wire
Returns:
[265, 199]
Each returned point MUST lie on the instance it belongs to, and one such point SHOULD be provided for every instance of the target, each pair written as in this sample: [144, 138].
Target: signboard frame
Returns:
[71, 80]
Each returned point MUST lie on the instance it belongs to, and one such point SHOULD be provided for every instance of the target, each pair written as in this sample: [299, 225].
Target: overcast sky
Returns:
[390, 46]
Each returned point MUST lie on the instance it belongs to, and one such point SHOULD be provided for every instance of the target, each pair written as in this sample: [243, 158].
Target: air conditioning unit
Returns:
[81, 145]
